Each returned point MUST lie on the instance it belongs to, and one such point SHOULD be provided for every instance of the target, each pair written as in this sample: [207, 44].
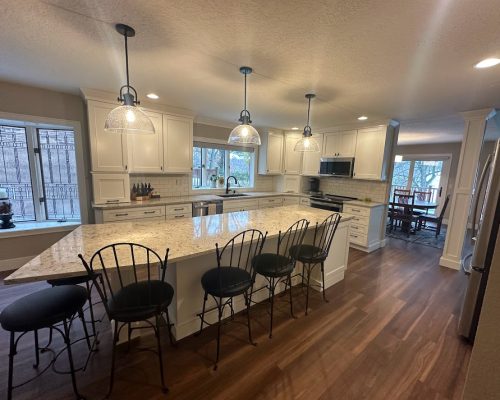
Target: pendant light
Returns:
[128, 118]
[244, 133]
[307, 143]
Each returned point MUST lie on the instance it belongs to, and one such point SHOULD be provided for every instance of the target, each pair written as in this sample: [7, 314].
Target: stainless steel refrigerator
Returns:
[486, 216]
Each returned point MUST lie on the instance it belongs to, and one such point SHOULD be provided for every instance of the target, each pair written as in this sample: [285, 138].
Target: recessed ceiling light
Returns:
[153, 96]
[295, 128]
[487, 63]
[363, 118]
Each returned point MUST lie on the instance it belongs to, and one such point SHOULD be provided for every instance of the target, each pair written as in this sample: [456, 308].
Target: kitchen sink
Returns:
[232, 195]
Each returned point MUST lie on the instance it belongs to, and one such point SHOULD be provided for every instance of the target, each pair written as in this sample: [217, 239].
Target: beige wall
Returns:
[211, 132]
[37, 102]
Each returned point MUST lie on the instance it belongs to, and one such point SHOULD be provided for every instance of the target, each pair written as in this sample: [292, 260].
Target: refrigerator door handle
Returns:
[478, 193]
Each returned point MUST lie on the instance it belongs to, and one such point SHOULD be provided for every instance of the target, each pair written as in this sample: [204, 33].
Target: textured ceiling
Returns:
[402, 59]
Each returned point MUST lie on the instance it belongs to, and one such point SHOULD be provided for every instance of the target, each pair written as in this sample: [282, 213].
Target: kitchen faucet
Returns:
[227, 182]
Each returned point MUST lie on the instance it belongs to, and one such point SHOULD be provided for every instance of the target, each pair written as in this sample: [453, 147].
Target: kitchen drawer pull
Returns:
[149, 212]
[354, 236]
[179, 216]
[121, 215]
[179, 209]
[112, 201]
[355, 209]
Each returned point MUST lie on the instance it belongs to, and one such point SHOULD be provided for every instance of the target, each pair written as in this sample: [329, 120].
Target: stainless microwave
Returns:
[339, 167]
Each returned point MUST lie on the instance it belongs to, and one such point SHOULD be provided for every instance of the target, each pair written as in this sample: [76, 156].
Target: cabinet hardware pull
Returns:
[355, 209]
[149, 212]
[112, 201]
[178, 209]
[179, 216]
[121, 215]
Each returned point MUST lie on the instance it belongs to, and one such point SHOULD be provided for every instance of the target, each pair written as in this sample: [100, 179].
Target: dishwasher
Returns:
[209, 207]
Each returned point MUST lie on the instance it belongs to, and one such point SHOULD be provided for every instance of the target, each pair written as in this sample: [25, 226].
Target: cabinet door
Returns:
[310, 161]
[274, 153]
[146, 150]
[331, 146]
[111, 188]
[178, 144]
[347, 143]
[108, 150]
[369, 155]
[293, 158]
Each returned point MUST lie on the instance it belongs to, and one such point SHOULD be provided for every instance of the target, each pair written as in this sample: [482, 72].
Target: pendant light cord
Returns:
[126, 62]
[308, 111]
[245, 101]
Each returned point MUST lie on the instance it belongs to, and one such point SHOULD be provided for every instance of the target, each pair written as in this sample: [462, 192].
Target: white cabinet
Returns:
[177, 211]
[240, 205]
[292, 159]
[136, 213]
[311, 160]
[177, 144]
[271, 154]
[146, 150]
[111, 188]
[305, 201]
[372, 152]
[108, 150]
[339, 144]
[291, 200]
[365, 226]
[270, 202]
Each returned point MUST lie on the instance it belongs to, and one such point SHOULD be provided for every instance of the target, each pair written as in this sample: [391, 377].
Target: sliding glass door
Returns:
[423, 174]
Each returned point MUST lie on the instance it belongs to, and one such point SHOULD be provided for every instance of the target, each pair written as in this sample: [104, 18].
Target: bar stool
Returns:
[232, 277]
[278, 267]
[316, 252]
[134, 277]
[43, 309]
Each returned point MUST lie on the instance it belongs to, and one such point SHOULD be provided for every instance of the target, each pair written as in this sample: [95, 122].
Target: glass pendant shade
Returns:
[307, 144]
[244, 134]
[128, 119]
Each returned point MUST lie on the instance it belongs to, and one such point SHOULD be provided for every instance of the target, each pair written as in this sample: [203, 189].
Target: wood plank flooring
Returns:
[388, 332]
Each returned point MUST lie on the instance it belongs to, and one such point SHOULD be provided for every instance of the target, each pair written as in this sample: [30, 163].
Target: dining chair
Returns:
[401, 209]
[277, 267]
[232, 277]
[316, 252]
[134, 290]
[438, 221]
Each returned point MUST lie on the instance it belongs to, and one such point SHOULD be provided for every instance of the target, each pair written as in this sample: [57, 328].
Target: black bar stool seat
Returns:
[74, 280]
[310, 254]
[140, 301]
[273, 265]
[226, 281]
[43, 309]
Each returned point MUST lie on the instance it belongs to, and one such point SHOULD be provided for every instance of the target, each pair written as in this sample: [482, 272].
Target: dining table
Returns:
[421, 205]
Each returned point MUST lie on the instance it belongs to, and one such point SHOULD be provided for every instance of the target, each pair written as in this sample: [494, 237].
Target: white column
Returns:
[475, 123]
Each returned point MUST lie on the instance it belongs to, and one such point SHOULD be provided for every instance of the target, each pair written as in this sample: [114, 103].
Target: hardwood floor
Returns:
[388, 332]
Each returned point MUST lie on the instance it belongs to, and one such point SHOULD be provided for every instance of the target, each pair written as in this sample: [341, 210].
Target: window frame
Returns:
[31, 124]
[218, 143]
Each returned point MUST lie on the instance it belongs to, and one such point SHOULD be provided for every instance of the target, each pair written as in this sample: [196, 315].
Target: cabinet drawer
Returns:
[359, 229]
[360, 220]
[239, 205]
[132, 213]
[179, 209]
[179, 216]
[358, 238]
[288, 201]
[270, 202]
[305, 201]
[354, 210]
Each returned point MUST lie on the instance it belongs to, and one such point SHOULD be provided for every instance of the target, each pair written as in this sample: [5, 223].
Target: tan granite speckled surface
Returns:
[186, 238]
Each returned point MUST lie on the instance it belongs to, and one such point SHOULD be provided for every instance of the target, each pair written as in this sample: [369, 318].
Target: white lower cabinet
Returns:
[305, 201]
[177, 211]
[240, 205]
[291, 200]
[111, 188]
[366, 226]
[135, 213]
[270, 202]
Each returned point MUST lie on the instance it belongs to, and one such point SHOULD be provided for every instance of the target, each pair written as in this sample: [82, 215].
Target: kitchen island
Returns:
[192, 252]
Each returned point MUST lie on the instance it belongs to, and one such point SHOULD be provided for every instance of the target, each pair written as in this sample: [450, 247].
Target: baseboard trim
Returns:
[11, 264]
[449, 263]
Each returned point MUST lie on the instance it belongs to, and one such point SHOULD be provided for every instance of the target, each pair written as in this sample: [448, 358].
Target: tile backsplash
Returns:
[360, 189]
[179, 185]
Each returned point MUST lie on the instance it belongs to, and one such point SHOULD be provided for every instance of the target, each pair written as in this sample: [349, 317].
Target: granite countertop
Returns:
[191, 199]
[186, 238]
[362, 203]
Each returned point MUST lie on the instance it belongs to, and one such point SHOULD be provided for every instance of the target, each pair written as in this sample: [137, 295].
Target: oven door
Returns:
[336, 207]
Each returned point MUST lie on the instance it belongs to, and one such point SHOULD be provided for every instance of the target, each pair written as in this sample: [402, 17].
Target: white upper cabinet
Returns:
[311, 160]
[292, 159]
[177, 144]
[372, 151]
[108, 150]
[271, 154]
[146, 150]
[340, 144]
